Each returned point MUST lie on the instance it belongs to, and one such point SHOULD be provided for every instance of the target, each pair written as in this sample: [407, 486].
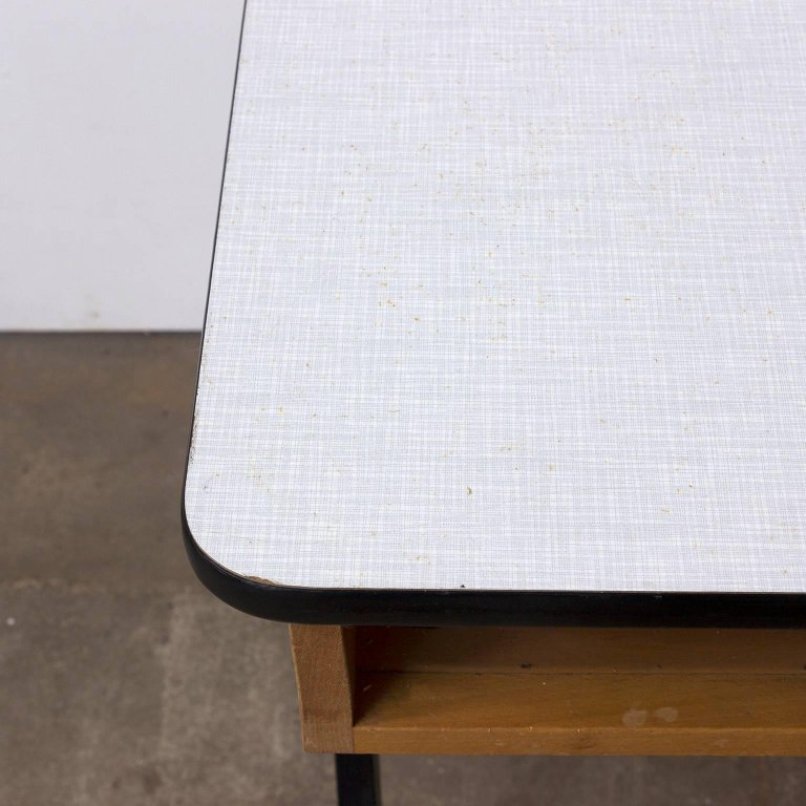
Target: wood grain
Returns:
[587, 714]
[554, 691]
[323, 663]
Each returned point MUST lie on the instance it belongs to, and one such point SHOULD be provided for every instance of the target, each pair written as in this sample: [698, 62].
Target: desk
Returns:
[505, 328]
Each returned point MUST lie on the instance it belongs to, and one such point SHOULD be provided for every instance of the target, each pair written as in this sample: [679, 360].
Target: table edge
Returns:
[494, 608]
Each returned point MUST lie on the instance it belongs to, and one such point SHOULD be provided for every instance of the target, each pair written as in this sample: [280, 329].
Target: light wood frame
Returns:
[551, 691]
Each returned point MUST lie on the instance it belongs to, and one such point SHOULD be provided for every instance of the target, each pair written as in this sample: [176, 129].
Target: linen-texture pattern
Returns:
[510, 295]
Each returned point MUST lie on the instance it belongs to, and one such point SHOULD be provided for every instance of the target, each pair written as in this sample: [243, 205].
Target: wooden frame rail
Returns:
[544, 691]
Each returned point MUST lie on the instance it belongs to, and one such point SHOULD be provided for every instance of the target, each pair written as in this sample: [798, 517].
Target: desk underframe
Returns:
[551, 691]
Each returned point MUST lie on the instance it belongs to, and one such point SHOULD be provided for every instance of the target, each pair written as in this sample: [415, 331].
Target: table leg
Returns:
[358, 780]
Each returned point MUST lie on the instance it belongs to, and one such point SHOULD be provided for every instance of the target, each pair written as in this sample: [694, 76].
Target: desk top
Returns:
[509, 296]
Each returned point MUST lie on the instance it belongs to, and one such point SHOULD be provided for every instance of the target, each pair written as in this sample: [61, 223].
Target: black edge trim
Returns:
[426, 608]
[481, 608]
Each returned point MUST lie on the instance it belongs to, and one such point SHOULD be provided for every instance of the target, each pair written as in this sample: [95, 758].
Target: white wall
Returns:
[113, 119]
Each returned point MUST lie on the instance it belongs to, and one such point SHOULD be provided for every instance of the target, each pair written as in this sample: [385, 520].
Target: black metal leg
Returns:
[358, 780]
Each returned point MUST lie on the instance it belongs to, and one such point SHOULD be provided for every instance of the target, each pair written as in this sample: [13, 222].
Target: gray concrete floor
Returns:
[122, 681]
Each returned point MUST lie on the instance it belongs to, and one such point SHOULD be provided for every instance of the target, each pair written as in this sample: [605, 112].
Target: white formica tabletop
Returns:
[510, 296]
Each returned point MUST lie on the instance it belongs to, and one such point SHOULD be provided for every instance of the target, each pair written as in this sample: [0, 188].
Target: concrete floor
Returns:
[122, 681]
